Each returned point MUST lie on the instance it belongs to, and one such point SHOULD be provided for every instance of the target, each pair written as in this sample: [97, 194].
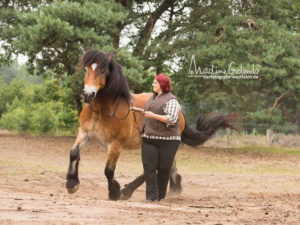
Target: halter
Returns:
[113, 114]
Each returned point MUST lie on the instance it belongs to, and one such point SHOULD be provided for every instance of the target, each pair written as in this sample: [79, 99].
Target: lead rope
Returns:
[135, 119]
[113, 114]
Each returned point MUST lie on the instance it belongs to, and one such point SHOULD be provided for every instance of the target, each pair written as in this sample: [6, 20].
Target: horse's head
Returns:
[94, 81]
[103, 76]
[96, 65]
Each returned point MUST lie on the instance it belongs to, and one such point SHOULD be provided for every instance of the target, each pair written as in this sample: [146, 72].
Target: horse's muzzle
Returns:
[88, 97]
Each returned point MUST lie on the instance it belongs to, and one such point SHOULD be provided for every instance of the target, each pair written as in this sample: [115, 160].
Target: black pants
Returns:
[157, 156]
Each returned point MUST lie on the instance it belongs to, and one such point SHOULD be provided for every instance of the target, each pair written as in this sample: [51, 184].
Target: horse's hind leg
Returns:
[128, 190]
[175, 184]
[113, 186]
[175, 181]
[72, 184]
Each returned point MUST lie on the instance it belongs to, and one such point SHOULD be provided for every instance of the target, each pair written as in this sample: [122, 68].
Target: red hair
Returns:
[164, 82]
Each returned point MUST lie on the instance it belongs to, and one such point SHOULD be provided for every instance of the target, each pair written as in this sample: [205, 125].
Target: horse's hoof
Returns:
[114, 196]
[124, 197]
[125, 194]
[174, 193]
[72, 185]
[176, 188]
[114, 191]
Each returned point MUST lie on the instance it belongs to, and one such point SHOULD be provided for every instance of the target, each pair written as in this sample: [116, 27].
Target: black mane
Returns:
[116, 84]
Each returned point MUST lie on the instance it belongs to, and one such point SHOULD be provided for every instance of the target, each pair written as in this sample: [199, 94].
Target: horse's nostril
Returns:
[93, 94]
[82, 92]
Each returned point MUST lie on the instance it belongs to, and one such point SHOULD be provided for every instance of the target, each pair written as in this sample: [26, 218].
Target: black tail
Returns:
[207, 125]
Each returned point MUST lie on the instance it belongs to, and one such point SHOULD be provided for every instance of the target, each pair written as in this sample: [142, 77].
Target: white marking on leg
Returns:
[83, 142]
[108, 146]
[74, 167]
[174, 171]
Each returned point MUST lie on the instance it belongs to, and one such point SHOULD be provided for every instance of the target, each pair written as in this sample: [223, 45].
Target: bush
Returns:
[40, 108]
[44, 118]
[9, 92]
[17, 119]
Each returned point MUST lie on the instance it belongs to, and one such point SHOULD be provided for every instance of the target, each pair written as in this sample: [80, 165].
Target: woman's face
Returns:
[156, 86]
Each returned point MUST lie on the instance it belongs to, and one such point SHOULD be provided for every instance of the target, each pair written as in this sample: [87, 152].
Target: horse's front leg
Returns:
[72, 184]
[114, 150]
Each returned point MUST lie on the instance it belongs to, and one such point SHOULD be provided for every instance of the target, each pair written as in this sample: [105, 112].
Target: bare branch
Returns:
[144, 33]
[277, 101]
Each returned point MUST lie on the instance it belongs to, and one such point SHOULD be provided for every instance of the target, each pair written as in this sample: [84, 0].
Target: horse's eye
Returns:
[102, 72]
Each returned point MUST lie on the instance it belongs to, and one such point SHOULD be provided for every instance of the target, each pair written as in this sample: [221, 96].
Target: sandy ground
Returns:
[220, 186]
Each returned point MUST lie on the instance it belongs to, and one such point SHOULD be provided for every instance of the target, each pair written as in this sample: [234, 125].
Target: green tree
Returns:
[163, 37]
[272, 47]
[53, 34]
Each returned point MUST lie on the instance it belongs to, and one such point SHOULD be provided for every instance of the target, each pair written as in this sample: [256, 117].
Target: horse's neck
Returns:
[102, 104]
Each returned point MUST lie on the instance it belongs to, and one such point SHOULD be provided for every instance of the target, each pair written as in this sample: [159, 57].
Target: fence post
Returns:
[228, 136]
[269, 137]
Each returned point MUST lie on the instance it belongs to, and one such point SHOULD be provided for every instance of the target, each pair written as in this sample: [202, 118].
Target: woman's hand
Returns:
[136, 109]
[149, 114]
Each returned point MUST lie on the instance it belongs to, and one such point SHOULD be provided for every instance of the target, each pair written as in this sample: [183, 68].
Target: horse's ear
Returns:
[85, 48]
[111, 55]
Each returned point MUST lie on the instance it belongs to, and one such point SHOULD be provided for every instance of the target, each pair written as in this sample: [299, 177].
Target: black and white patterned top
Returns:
[171, 110]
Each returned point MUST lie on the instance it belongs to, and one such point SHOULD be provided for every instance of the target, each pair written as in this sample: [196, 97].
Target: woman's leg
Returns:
[167, 151]
[150, 163]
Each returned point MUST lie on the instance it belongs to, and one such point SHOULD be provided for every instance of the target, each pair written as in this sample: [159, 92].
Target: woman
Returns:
[160, 137]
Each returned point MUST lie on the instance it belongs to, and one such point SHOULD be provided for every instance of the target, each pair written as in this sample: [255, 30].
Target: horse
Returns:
[107, 116]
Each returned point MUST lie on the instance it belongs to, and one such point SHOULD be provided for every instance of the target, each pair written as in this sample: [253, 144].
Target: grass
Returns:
[240, 160]
[243, 140]
[234, 166]
[266, 149]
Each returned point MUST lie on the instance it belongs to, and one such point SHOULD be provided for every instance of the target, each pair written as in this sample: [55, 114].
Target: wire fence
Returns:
[269, 135]
[262, 128]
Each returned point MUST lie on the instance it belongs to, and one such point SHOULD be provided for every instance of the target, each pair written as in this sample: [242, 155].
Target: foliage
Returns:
[53, 35]
[38, 108]
[261, 121]
[163, 36]
[272, 48]
[9, 93]
[17, 72]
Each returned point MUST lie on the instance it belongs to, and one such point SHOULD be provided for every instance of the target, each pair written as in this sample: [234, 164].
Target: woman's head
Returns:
[161, 82]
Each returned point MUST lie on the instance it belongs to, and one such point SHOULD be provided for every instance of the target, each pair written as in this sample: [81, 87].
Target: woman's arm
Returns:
[161, 118]
[171, 109]
[149, 114]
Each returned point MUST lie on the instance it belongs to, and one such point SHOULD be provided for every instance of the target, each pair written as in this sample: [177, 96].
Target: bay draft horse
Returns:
[107, 116]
